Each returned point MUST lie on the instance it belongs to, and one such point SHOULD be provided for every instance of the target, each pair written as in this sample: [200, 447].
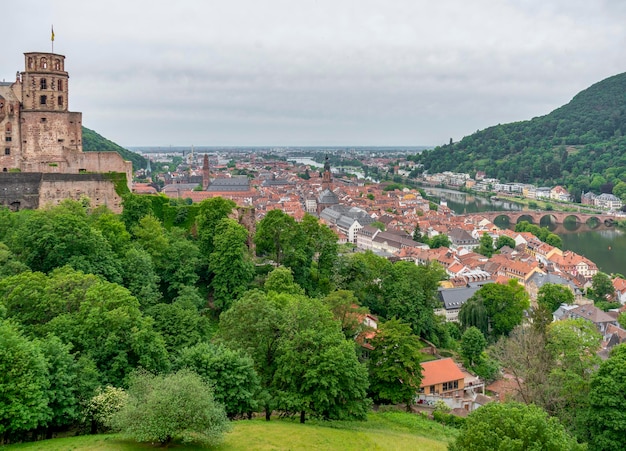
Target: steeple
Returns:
[206, 173]
[327, 177]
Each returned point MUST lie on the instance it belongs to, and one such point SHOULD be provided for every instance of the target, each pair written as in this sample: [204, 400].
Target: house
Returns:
[462, 239]
[452, 300]
[538, 280]
[560, 194]
[608, 201]
[442, 377]
[592, 313]
[620, 289]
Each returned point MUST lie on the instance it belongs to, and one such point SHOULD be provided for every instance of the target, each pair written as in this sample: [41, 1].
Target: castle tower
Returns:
[49, 129]
[45, 83]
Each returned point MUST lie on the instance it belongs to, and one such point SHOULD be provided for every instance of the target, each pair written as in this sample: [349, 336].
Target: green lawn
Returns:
[383, 431]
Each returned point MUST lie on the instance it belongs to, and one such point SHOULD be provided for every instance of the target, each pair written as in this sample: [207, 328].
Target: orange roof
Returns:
[440, 371]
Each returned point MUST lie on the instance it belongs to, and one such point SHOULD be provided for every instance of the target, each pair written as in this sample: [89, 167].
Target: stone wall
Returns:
[20, 191]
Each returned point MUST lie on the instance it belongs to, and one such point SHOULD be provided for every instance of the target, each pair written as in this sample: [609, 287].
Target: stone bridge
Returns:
[558, 217]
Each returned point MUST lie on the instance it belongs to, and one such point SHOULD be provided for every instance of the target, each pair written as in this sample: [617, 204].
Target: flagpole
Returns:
[52, 37]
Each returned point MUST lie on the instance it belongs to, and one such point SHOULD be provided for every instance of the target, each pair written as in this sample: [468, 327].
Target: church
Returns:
[41, 159]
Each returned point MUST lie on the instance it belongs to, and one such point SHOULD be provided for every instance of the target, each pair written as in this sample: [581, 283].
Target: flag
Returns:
[52, 35]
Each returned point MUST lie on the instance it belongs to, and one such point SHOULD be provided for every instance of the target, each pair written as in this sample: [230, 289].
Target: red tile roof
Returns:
[440, 371]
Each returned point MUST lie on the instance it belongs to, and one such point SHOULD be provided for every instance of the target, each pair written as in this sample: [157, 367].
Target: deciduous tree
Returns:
[394, 364]
[607, 399]
[175, 406]
[512, 426]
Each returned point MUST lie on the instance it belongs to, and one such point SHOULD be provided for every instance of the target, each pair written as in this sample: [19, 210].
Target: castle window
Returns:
[8, 139]
[43, 119]
[60, 85]
[43, 100]
[7, 151]
[30, 62]
[8, 128]
[60, 100]
[44, 63]
[43, 84]
[57, 64]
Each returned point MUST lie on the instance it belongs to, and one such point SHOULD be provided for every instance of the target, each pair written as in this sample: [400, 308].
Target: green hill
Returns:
[93, 142]
[382, 431]
[581, 145]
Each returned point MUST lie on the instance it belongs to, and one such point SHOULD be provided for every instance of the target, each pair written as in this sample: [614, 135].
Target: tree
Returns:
[253, 325]
[417, 234]
[135, 207]
[103, 405]
[474, 314]
[394, 363]
[473, 343]
[100, 319]
[231, 374]
[317, 368]
[175, 406]
[512, 426]
[275, 234]
[554, 240]
[409, 292]
[551, 296]
[607, 399]
[230, 263]
[486, 245]
[280, 280]
[210, 212]
[62, 235]
[140, 277]
[505, 240]
[345, 309]
[504, 306]
[602, 286]
[440, 240]
[23, 383]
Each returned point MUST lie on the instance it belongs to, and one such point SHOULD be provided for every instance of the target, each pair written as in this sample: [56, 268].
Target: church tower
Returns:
[327, 177]
[206, 173]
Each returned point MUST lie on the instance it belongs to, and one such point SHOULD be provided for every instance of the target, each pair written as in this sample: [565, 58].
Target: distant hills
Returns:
[93, 142]
[581, 145]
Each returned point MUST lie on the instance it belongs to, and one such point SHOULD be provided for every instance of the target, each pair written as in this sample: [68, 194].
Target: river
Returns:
[606, 247]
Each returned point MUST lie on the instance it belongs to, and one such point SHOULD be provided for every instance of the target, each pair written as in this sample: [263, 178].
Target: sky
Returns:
[316, 72]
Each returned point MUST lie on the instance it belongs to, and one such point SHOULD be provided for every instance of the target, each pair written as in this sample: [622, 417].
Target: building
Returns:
[442, 377]
[42, 159]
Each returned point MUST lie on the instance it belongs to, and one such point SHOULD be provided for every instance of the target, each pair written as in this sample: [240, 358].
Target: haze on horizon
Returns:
[317, 72]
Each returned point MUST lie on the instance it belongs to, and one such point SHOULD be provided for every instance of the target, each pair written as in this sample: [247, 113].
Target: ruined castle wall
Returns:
[49, 138]
[100, 190]
[107, 162]
[20, 190]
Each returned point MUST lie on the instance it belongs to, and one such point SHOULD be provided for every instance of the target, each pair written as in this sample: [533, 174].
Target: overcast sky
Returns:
[316, 72]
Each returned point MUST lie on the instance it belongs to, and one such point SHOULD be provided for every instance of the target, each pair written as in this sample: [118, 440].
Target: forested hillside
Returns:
[581, 145]
[92, 141]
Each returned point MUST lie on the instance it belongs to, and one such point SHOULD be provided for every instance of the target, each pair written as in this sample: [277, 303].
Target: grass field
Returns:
[382, 431]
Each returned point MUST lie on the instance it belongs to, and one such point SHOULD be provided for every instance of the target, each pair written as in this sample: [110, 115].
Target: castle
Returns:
[42, 160]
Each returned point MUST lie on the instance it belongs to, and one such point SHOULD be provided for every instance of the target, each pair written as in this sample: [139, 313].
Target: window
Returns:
[8, 139]
[30, 62]
[43, 84]
[60, 85]
[7, 151]
[43, 119]
[450, 385]
[44, 63]
[43, 100]
[60, 101]
[57, 64]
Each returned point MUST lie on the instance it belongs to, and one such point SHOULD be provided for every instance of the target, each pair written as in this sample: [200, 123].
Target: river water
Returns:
[604, 246]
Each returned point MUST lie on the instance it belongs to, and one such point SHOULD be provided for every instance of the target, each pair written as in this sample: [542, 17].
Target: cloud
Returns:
[320, 71]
